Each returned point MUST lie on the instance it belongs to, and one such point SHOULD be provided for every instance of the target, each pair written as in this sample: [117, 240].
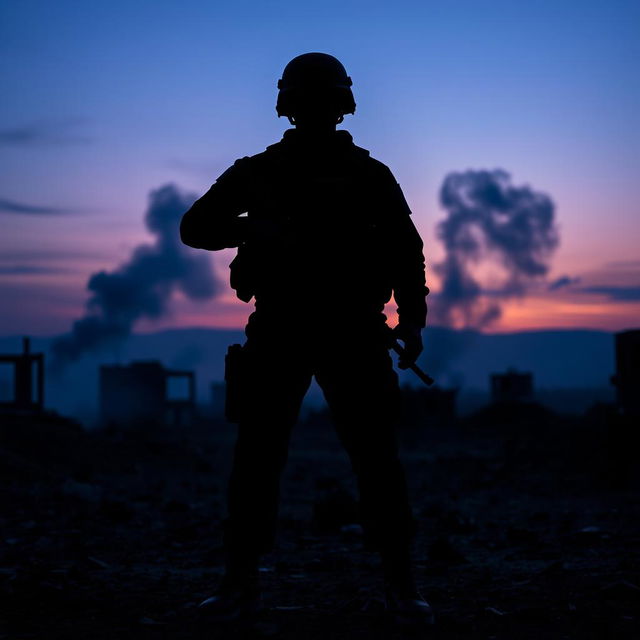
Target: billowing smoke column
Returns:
[143, 286]
[488, 217]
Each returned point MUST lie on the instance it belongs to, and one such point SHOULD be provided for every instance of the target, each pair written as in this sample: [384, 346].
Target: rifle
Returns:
[395, 345]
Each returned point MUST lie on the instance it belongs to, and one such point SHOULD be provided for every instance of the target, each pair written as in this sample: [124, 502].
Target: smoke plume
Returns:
[562, 282]
[489, 218]
[143, 286]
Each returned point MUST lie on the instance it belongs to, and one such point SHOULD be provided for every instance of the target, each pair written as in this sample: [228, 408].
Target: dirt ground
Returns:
[528, 530]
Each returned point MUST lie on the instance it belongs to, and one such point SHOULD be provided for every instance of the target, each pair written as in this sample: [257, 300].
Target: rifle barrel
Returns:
[425, 377]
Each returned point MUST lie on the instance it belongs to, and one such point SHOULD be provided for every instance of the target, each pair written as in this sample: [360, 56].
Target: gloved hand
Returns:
[411, 336]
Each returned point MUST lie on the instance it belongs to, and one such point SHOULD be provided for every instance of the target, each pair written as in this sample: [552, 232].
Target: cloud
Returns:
[488, 218]
[143, 286]
[44, 133]
[615, 293]
[563, 281]
[27, 269]
[24, 255]
[11, 206]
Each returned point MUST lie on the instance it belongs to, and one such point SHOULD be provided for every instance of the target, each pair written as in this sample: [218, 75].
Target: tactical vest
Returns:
[352, 223]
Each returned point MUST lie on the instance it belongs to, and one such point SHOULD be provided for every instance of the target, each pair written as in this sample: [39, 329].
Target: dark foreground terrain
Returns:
[528, 530]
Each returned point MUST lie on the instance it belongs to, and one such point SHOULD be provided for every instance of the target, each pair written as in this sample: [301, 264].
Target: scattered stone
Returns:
[591, 529]
[351, 531]
[82, 490]
[99, 563]
[587, 536]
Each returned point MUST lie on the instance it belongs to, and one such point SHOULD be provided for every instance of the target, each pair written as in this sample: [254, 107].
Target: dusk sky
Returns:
[104, 102]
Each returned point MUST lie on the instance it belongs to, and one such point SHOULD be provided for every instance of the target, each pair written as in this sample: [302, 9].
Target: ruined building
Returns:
[25, 382]
[144, 392]
[511, 387]
[218, 397]
[434, 404]
[627, 376]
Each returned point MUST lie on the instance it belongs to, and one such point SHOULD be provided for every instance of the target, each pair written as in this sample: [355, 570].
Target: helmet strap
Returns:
[292, 120]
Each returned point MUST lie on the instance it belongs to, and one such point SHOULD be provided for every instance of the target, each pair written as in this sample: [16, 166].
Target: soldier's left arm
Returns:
[213, 222]
[407, 261]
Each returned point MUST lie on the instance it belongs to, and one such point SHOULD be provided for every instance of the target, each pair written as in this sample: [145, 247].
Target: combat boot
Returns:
[237, 598]
[404, 604]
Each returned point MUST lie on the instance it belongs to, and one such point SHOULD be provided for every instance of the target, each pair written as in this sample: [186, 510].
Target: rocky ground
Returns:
[528, 530]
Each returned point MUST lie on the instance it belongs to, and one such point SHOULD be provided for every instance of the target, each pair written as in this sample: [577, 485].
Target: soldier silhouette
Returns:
[326, 239]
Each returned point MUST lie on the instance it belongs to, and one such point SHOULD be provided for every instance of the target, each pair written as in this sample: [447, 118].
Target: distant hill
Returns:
[558, 358]
[566, 363]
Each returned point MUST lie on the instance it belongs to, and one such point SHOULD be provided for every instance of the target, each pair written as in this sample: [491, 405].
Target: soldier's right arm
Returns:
[213, 222]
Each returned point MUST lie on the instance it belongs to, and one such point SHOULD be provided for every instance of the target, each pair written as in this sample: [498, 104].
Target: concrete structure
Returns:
[511, 387]
[27, 395]
[218, 398]
[429, 404]
[139, 394]
[627, 376]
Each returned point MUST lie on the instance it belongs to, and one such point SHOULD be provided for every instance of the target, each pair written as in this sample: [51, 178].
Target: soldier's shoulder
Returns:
[246, 162]
[258, 160]
[365, 156]
[244, 167]
[380, 174]
[376, 167]
[376, 164]
[235, 170]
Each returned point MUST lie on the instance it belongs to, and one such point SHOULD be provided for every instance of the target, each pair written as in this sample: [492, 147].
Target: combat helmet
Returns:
[314, 77]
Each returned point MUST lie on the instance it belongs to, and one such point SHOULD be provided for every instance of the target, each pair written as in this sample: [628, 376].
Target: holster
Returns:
[235, 377]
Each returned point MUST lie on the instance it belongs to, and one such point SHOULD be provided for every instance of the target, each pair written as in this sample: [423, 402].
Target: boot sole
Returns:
[241, 612]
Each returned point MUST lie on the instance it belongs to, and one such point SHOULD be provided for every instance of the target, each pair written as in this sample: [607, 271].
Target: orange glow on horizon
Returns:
[527, 314]
[535, 313]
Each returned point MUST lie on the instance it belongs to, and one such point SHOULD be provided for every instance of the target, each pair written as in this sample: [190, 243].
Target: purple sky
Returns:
[105, 102]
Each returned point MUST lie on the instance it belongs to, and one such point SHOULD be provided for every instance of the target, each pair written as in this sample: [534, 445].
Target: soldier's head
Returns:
[315, 91]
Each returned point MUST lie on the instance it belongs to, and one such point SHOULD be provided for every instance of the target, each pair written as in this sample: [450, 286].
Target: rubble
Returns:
[112, 534]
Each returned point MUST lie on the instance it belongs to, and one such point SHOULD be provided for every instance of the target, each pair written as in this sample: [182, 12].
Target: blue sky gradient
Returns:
[103, 102]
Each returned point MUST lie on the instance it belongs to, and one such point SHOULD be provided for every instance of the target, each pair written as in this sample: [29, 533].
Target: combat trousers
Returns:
[356, 375]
